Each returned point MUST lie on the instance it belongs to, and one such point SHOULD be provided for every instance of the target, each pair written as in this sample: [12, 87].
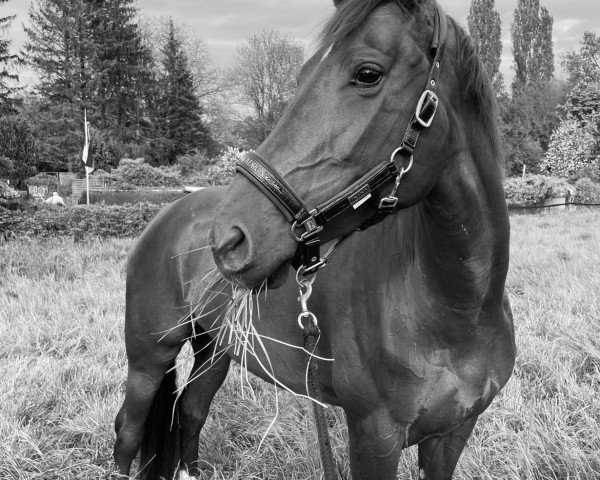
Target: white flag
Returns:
[89, 166]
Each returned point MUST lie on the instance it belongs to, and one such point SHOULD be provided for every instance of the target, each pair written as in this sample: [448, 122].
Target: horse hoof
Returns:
[184, 475]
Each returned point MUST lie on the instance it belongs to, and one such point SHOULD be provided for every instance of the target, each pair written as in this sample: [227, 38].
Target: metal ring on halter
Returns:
[399, 177]
[300, 280]
[311, 318]
[402, 169]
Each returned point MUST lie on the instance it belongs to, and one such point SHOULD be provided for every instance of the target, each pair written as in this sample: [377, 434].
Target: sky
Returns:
[223, 24]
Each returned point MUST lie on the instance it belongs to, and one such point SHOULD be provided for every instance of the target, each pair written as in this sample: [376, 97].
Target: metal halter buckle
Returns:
[388, 203]
[310, 228]
[427, 97]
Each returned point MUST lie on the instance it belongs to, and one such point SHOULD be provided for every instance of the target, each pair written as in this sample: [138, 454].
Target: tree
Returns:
[88, 55]
[571, 150]
[7, 77]
[532, 43]
[583, 101]
[584, 65]
[179, 115]
[122, 66]
[208, 79]
[265, 71]
[485, 29]
[541, 65]
[527, 120]
[60, 48]
[17, 150]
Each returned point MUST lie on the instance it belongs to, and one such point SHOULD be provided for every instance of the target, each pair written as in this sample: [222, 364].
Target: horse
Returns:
[412, 308]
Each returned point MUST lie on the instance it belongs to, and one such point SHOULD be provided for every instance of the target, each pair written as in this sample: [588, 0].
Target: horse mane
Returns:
[351, 14]
[477, 86]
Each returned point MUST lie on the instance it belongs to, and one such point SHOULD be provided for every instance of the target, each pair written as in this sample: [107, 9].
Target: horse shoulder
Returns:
[166, 258]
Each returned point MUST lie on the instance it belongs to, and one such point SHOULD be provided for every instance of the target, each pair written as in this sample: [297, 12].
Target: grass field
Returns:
[62, 370]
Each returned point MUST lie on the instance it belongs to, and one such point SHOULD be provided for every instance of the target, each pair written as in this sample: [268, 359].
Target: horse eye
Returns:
[367, 77]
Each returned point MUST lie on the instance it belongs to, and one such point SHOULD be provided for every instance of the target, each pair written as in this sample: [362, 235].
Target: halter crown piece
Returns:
[307, 222]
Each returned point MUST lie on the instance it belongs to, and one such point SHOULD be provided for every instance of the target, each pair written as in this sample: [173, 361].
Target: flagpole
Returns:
[85, 157]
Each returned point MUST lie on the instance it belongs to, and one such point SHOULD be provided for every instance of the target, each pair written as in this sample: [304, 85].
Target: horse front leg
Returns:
[438, 456]
[375, 445]
[144, 382]
[205, 379]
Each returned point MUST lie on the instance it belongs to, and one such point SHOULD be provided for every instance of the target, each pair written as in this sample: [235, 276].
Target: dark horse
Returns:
[412, 310]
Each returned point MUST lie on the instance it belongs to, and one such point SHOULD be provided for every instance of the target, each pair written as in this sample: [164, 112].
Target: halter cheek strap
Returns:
[306, 222]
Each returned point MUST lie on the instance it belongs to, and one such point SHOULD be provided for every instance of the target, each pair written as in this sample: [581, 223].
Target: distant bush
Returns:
[591, 171]
[570, 150]
[7, 192]
[586, 191]
[44, 179]
[94, 220]
[192, 164]
[534, 189]
[221, 172]
[133, 174]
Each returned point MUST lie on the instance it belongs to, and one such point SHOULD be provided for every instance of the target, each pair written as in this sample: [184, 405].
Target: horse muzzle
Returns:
[231, 250]
[250, 241]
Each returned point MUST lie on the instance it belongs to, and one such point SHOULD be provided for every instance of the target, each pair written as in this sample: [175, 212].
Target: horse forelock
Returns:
[348, 17]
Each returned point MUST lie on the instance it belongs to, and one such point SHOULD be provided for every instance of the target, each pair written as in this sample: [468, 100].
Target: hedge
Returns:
[94, 220]
[534, 189]
[586, 191]
[123, 197]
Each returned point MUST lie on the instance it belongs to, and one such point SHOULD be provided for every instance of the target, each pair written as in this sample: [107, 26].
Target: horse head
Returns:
[355, 98]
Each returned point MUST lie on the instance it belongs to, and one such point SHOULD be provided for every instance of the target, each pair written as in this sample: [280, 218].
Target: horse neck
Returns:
[463, 228]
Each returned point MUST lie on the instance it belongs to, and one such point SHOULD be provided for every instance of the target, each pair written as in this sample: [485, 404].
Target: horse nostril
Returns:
[232, 240]
[233, 249]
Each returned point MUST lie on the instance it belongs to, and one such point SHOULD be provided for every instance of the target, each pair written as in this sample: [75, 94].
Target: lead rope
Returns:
[312, 333]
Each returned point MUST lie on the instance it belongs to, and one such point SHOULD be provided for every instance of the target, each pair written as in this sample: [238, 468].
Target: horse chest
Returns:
[424, 389]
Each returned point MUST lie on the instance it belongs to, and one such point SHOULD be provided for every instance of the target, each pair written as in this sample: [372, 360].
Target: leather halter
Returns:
[306, 222]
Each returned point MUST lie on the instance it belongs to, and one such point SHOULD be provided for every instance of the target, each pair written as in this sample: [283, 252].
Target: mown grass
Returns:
[62, 370]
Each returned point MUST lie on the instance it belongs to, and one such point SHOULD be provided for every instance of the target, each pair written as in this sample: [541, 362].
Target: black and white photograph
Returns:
[299, 240]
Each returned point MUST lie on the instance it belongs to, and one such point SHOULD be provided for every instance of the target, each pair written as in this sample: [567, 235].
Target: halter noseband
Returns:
[307, 223]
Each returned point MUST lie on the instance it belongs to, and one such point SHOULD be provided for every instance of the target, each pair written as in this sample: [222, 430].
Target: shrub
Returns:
[221, 172]
[586, 191]
[96, 221]
[534, 189]
[570, 149]
[591, 171]
[7, 192]
[44, 179]
[192, 164]
[125, 197]
[133, 174]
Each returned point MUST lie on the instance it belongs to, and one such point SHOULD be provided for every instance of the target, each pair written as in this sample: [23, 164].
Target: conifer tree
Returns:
[60, 49]
[88, 54]
[179, 121]
[8, 78]
[122, 65]
[485, 29]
